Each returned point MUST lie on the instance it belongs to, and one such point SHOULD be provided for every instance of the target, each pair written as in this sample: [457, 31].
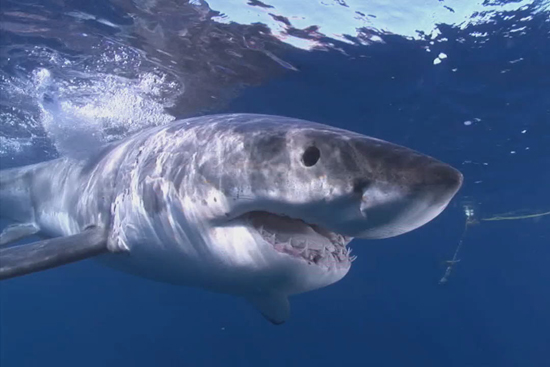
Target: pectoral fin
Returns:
[25, 259]
[15, 232]
[273, 306]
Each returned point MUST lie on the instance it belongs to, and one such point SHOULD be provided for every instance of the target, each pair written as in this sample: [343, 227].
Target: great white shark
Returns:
[257, 206]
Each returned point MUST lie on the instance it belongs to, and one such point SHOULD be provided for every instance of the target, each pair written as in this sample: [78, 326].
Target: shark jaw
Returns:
[300, 240]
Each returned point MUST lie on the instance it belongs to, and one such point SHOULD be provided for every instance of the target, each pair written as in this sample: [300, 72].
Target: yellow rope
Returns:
[515, 217]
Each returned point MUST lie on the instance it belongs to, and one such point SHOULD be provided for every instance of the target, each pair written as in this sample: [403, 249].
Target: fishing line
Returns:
[470, 219]
[470, 212]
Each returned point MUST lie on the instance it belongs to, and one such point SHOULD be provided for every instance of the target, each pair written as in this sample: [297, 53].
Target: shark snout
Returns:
[440, 186]
[393, 208]
[443, 177]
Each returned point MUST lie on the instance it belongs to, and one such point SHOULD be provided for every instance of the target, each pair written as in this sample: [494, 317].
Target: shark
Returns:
[262, 207]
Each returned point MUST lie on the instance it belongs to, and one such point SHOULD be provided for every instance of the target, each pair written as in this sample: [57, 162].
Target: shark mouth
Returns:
[301, 240]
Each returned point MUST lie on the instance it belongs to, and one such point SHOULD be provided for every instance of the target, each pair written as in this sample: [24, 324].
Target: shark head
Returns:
[278, 200]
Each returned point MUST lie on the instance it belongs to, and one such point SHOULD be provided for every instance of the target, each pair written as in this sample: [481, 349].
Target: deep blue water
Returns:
[389, 310]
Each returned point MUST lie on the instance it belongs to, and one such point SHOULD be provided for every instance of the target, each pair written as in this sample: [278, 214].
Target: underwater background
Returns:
[465, 81]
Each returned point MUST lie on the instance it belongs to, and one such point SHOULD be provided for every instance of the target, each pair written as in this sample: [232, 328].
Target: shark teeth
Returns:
[321, 249]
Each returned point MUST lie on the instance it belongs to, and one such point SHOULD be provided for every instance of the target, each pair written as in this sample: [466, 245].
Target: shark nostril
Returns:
[360, 185]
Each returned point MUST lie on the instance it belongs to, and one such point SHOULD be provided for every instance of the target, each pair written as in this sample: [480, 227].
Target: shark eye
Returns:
[311, 156]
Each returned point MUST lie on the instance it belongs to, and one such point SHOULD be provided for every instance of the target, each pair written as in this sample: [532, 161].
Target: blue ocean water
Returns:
[472, 90]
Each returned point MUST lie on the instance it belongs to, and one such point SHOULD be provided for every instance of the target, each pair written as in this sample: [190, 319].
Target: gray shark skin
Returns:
[256, 206]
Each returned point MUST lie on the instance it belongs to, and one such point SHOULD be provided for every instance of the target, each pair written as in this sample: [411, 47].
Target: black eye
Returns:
[311, 156]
